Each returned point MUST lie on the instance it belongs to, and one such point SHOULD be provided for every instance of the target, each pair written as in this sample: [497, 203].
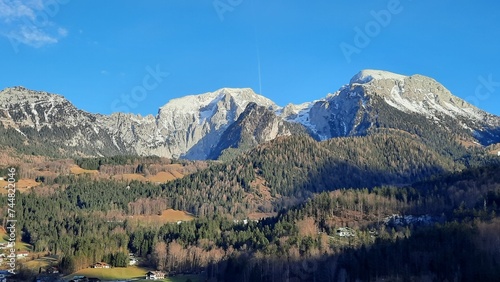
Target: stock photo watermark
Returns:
[10, 224]
[485, 88]
[364, 35]
[223, 6]
[34, 27]
[151, 80]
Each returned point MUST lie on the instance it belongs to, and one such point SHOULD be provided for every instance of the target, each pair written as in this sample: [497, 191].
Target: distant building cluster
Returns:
[155, 275]
[345, 232]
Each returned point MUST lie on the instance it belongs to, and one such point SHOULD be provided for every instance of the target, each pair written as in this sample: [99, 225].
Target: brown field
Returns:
[175, 215]
[167, 216]
[78, 170]
[494, 152]
[468, 144]
[129, 177]
[175, 166]
[177, 174]
[164, 176]
[22, 185]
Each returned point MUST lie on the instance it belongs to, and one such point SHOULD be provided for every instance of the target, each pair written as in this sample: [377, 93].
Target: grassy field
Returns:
[22, 185]
[165, 176]
[78, 170]
[112, 273]
[43, 262]
[19, 245]
[129, 176]
[160, 177]
[131, 272]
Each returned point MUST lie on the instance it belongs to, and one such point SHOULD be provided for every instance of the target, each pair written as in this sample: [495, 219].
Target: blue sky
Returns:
[95, 53]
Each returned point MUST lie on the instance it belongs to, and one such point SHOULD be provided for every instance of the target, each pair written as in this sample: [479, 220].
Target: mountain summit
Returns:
[368, 75]
[196, 126]
[375, 98]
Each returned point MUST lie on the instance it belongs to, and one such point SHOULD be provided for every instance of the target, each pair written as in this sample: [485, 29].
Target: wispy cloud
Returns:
[30, 22]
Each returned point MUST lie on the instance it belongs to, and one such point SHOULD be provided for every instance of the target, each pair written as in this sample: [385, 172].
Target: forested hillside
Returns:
[341, 206]
[306, 242]
[290, 169]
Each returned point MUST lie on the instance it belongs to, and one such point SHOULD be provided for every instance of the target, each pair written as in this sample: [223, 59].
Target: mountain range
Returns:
[215, 124]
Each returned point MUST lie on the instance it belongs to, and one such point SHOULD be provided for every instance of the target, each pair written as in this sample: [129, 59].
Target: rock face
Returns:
[187, 127]
[356, 107]
[193, 125]
[47, 118]
[203, 126]
[256, 125]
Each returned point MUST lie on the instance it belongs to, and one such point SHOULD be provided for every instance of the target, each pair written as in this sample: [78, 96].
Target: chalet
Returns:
[22, 254]
[345, 232]
[155, 275]
[101, 265]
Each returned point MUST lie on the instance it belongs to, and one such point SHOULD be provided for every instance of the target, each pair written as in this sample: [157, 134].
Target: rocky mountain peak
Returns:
[20, 94]
[368, 75]
[416, 94]
[257, 124]
[355, 107]
[195, 126]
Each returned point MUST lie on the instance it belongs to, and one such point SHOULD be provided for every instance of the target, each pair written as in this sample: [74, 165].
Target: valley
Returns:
[381, 180]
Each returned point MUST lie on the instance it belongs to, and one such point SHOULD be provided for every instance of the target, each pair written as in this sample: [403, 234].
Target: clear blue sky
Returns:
[95, 52]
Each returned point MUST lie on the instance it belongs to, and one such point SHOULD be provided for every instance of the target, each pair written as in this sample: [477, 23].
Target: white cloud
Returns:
[30, 22]
[62, 31]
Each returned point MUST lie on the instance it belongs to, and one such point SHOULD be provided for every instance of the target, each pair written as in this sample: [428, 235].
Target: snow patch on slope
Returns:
[368, 75]
[296, 113]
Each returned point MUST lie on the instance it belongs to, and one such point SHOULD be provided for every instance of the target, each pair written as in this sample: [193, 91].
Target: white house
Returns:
[498, 153]
[345, 232]
[101, 265]
[155, 275]
[22, 254]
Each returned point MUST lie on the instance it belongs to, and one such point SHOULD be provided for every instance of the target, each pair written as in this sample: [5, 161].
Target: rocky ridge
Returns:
[203, 126]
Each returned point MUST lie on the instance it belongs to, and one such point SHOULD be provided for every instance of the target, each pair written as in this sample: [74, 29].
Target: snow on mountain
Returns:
[419, 94]
[296, 113]
[35, 108]
[195, 123]
[191, 126]
[349, 111]
[368, 75]
[184, 127]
